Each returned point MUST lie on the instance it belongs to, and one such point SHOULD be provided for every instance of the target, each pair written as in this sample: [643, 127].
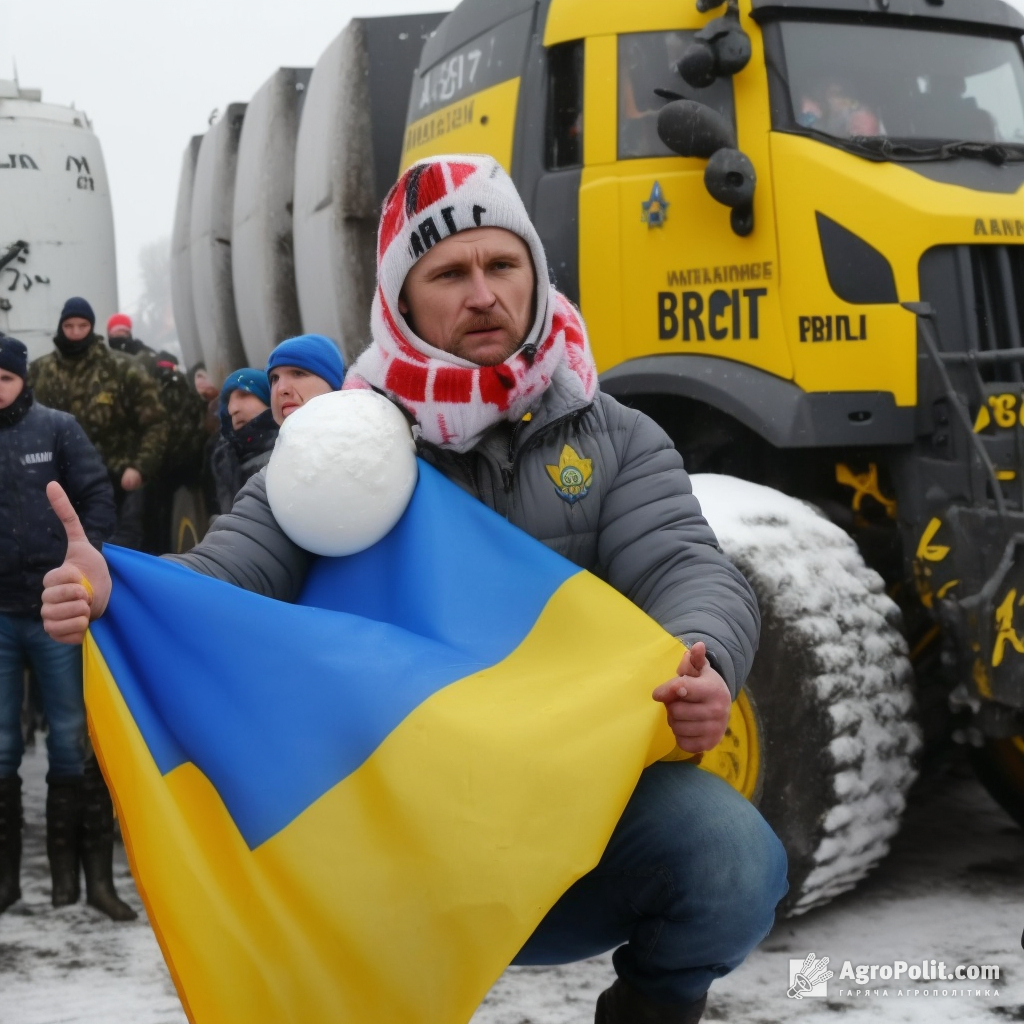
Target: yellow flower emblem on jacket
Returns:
[572, 475]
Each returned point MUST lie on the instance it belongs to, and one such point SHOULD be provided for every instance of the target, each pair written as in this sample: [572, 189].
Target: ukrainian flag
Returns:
[357, 808]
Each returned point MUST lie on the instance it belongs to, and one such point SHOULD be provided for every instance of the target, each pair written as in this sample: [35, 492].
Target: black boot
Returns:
[63, 828]
[98, 847]
[621, 1004]
[10, 841]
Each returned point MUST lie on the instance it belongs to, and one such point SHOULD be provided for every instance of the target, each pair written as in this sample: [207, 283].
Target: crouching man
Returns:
[494, 365]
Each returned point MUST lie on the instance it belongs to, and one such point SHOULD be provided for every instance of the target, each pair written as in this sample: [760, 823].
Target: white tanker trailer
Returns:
[278, 202]
[56, 220]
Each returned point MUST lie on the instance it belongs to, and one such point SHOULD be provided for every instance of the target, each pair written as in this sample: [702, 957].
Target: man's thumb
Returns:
[61, 504]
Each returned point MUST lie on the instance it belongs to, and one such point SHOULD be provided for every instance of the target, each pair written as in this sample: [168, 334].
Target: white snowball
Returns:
[342, 472]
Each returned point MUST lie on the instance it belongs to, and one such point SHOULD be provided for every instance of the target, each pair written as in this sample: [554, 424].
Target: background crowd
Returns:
[121, 428]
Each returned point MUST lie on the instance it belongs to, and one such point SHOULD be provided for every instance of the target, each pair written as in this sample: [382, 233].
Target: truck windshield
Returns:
[876, 85]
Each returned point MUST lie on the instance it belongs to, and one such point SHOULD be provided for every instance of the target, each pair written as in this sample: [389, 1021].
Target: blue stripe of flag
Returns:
[277, 703]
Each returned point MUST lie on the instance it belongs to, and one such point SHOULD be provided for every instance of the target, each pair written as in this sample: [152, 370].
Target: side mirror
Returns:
[730, 179]
[720, 49]
[698, 66]
[694, 129]
[733, 51]
[690, 128]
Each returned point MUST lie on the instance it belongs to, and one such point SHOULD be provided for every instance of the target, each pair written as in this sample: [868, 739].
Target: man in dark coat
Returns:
[38, 445]
[247, 435]
[494, 366]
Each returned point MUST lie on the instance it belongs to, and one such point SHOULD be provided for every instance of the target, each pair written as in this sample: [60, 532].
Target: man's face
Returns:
[472, 295]
[119, 332]
[292, 387]
[11, 385]
[76, 328]
[242, 407]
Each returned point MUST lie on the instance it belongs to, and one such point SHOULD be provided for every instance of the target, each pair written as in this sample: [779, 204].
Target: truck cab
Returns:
[796, 232]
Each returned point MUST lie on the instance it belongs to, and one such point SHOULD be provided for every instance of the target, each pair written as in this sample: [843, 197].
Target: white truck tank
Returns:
[276, 223]
[213, 201]
[181, 258]
[56, 220]
[262, 263]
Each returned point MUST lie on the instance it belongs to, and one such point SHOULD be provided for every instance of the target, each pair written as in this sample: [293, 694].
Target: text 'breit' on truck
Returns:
[796, 233]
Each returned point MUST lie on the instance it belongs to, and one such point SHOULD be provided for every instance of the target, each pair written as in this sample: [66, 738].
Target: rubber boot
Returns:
[621, 1004]
[63, 828]
[10, 841]
[97, 847]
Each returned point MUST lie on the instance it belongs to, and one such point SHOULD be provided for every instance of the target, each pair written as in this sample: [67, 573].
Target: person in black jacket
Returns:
[247, 436]
[37, 445]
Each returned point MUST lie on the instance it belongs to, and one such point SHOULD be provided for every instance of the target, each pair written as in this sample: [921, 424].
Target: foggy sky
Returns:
[149, 75]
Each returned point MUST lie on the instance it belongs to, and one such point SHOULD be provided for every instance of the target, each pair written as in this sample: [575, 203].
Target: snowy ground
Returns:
[953, 890]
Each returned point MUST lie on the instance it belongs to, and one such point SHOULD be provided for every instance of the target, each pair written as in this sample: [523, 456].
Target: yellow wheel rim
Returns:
[186, 532]
[737, 759]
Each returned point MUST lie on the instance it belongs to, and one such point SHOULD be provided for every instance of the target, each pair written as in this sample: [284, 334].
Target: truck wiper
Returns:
[880, 147]
[997, 153]
[994, 152]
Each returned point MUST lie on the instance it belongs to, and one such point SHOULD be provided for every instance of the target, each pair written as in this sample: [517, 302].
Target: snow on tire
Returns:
[830, 687]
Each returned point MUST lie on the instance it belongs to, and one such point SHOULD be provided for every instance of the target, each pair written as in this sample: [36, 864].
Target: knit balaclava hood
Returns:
[454, 400]
[76, 306]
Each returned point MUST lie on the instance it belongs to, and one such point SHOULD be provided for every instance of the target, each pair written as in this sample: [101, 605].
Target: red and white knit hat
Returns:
[439, 197]
[454, 400]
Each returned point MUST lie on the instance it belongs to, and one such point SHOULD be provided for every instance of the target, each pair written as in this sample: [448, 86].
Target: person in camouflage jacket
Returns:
[116, 402]
[186, 411]
[183, 456]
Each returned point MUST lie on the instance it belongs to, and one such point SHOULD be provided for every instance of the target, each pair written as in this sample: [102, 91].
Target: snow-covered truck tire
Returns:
[830, 688]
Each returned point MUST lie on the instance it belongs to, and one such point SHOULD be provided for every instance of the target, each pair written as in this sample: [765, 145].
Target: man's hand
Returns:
[76, 592]
[697, 702]
[131, 479]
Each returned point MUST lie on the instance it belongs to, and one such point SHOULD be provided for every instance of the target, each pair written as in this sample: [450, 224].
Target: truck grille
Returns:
[978, 294]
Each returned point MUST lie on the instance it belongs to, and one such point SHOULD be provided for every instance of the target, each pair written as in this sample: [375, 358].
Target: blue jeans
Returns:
[58, 668]
[686, 888]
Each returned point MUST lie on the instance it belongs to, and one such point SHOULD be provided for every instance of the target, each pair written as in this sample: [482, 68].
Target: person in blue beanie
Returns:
[247, 433]
[300, 369]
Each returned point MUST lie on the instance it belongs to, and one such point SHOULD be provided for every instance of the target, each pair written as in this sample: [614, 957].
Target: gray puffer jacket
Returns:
[634, 522]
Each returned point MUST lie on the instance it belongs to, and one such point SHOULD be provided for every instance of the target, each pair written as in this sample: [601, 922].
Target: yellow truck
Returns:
[796, 232]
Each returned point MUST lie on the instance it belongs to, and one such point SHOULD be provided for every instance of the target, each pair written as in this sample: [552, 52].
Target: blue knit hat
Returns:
[246, 379]
[312, 352]
[77, 306]
[13, 356]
